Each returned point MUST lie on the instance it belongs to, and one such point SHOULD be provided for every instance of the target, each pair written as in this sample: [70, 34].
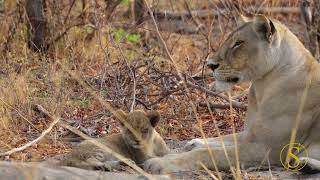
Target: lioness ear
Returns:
[241, 20]
[264, 26]
[121, 116]
[154, 117]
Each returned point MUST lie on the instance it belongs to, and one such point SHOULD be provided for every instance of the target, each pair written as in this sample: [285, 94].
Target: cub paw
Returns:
[194, 144]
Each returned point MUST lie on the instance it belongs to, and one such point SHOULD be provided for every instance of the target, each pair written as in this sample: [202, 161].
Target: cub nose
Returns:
[213, 65]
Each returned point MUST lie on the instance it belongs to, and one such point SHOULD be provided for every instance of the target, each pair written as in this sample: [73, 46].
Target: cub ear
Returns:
[121, 116]
[154, 118]
[242, 19]
[265, 27]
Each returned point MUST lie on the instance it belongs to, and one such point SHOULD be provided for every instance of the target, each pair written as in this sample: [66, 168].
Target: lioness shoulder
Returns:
[141, 144]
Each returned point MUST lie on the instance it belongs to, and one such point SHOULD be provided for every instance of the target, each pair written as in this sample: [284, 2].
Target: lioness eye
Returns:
[237, 44]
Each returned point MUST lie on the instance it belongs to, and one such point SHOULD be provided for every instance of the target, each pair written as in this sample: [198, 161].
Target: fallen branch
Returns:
[163, 96]
[45, 171]
[219, 106]
[43, 134]
[235, 104]
[213, 13]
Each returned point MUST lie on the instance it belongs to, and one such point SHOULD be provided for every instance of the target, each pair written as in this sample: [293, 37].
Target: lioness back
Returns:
[141, 144]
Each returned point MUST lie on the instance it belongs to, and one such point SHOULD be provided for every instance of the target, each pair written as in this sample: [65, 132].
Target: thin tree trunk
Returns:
[312, 24]
[139, 11]
[111, 6]
[316, 29]
[1, 6]
[37, 29]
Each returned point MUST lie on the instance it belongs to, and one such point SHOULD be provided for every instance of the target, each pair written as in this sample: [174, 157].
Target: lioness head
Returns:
[138, 128]
[247, 54]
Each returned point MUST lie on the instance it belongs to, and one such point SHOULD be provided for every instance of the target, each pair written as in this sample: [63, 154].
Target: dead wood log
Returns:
[213, 14]
[40, 171]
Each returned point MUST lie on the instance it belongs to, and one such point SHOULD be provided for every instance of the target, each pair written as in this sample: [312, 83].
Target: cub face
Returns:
[138, 141]
[137, 127]
[247, 54]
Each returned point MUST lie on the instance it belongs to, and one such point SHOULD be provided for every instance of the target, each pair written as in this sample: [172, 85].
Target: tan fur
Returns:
[138, 149]
[268, 54]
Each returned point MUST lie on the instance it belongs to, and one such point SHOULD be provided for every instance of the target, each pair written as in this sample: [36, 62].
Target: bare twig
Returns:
[208, 171]
[133, 74]
[111, 6]
[69, 11]
[43, 134]
[61, 34]
[219, 106]
[195, 21]
[19, 113]
[164, 96]
[234, 103]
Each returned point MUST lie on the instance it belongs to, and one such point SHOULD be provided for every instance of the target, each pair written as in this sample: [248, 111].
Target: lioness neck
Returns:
[292, 61]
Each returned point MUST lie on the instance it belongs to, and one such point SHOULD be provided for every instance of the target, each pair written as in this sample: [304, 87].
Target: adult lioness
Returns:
[285, 88]
[145, 144]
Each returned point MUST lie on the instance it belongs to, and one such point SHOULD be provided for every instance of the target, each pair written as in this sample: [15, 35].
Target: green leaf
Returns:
[119, 35]
[125, 2]
[134, 38]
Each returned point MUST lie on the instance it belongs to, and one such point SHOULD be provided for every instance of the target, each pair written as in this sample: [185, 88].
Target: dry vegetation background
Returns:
[118, 55]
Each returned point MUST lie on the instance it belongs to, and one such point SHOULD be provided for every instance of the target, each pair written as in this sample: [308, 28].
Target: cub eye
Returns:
[237, 44]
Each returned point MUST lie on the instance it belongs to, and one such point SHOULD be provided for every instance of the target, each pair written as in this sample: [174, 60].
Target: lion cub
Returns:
[138, 149]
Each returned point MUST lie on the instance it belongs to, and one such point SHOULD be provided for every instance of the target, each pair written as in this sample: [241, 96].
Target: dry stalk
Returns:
[208, 171]
[43, 134]
[238, 172]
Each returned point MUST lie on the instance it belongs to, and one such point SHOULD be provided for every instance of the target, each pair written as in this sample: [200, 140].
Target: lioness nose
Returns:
[213, 65]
